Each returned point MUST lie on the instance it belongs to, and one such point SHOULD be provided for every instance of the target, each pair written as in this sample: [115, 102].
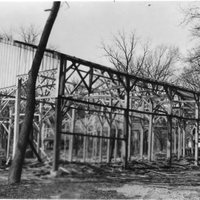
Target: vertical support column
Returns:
[109, 133]
[179, 141]
[115, 147]
[9, 133]
[58, 119]
[142, 134]
[40, 129]
[95, 143]
[60, 86]
[150, 142]
[192, 143]
[71, 140]
[141, 141]
[130, 131]
[169, 139]
[129, 141]
[100, 141]
[184, 128]
[17, 115]
[196, 133]
[42, 136]
[181, 130]
[85, 143]
[126, 122]
[175, 141]
[65, 143]
[109, 142]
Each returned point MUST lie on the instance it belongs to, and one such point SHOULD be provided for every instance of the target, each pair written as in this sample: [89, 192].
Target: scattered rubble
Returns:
[142, 179]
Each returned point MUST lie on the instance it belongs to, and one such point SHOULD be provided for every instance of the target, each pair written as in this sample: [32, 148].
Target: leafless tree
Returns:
[191, 72]
[122, 53]
[190, 77]
[125, 55]
[156, 63]
[29, 34]
[192, 18]
[7, 35]
[159, 64]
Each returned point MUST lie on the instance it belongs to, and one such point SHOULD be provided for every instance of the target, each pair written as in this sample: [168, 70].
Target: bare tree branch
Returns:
[29, 34]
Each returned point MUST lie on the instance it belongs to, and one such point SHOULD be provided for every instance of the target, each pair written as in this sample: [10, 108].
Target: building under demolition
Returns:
[87, 112]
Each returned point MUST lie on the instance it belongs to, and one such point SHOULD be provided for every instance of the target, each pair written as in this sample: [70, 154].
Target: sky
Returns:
[82, 26]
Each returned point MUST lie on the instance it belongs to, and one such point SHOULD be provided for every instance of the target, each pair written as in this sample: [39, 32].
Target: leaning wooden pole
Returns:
[16, 167]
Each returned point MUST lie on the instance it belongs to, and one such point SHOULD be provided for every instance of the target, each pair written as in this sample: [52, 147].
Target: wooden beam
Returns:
[116, 141]
[130, 129]
[109, 133]
[100, 142]
[169, 138]
[114, 71]
[141, 141]
[150, 132]
[175, 141]
[94, 144]
[126, 123]
[184, 142]
[57, 129]
[70, 98]
[179, 142]
[71, 140]
[39, 134]
[9, 133]
[196, 134]
[85, 143]
[17, 115]
[60, 86]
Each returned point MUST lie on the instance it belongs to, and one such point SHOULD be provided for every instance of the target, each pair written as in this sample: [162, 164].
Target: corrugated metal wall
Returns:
[16, 59]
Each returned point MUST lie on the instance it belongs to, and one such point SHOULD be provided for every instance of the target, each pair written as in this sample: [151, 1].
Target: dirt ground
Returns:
[142, 180]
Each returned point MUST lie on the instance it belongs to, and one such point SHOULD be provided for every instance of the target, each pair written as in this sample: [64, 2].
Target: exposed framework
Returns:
[72, 92]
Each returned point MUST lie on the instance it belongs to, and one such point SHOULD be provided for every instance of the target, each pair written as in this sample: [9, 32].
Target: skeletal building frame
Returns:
[72, 84]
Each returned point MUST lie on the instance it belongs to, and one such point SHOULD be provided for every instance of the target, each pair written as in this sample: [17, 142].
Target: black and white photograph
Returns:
[100, 100]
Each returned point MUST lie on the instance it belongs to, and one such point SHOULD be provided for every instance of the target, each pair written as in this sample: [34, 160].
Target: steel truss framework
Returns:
[79, 99]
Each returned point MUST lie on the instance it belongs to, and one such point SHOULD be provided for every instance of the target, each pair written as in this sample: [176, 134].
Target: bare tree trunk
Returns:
[17, 163]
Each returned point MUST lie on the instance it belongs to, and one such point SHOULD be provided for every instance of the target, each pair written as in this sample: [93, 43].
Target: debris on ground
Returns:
[141, 180]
